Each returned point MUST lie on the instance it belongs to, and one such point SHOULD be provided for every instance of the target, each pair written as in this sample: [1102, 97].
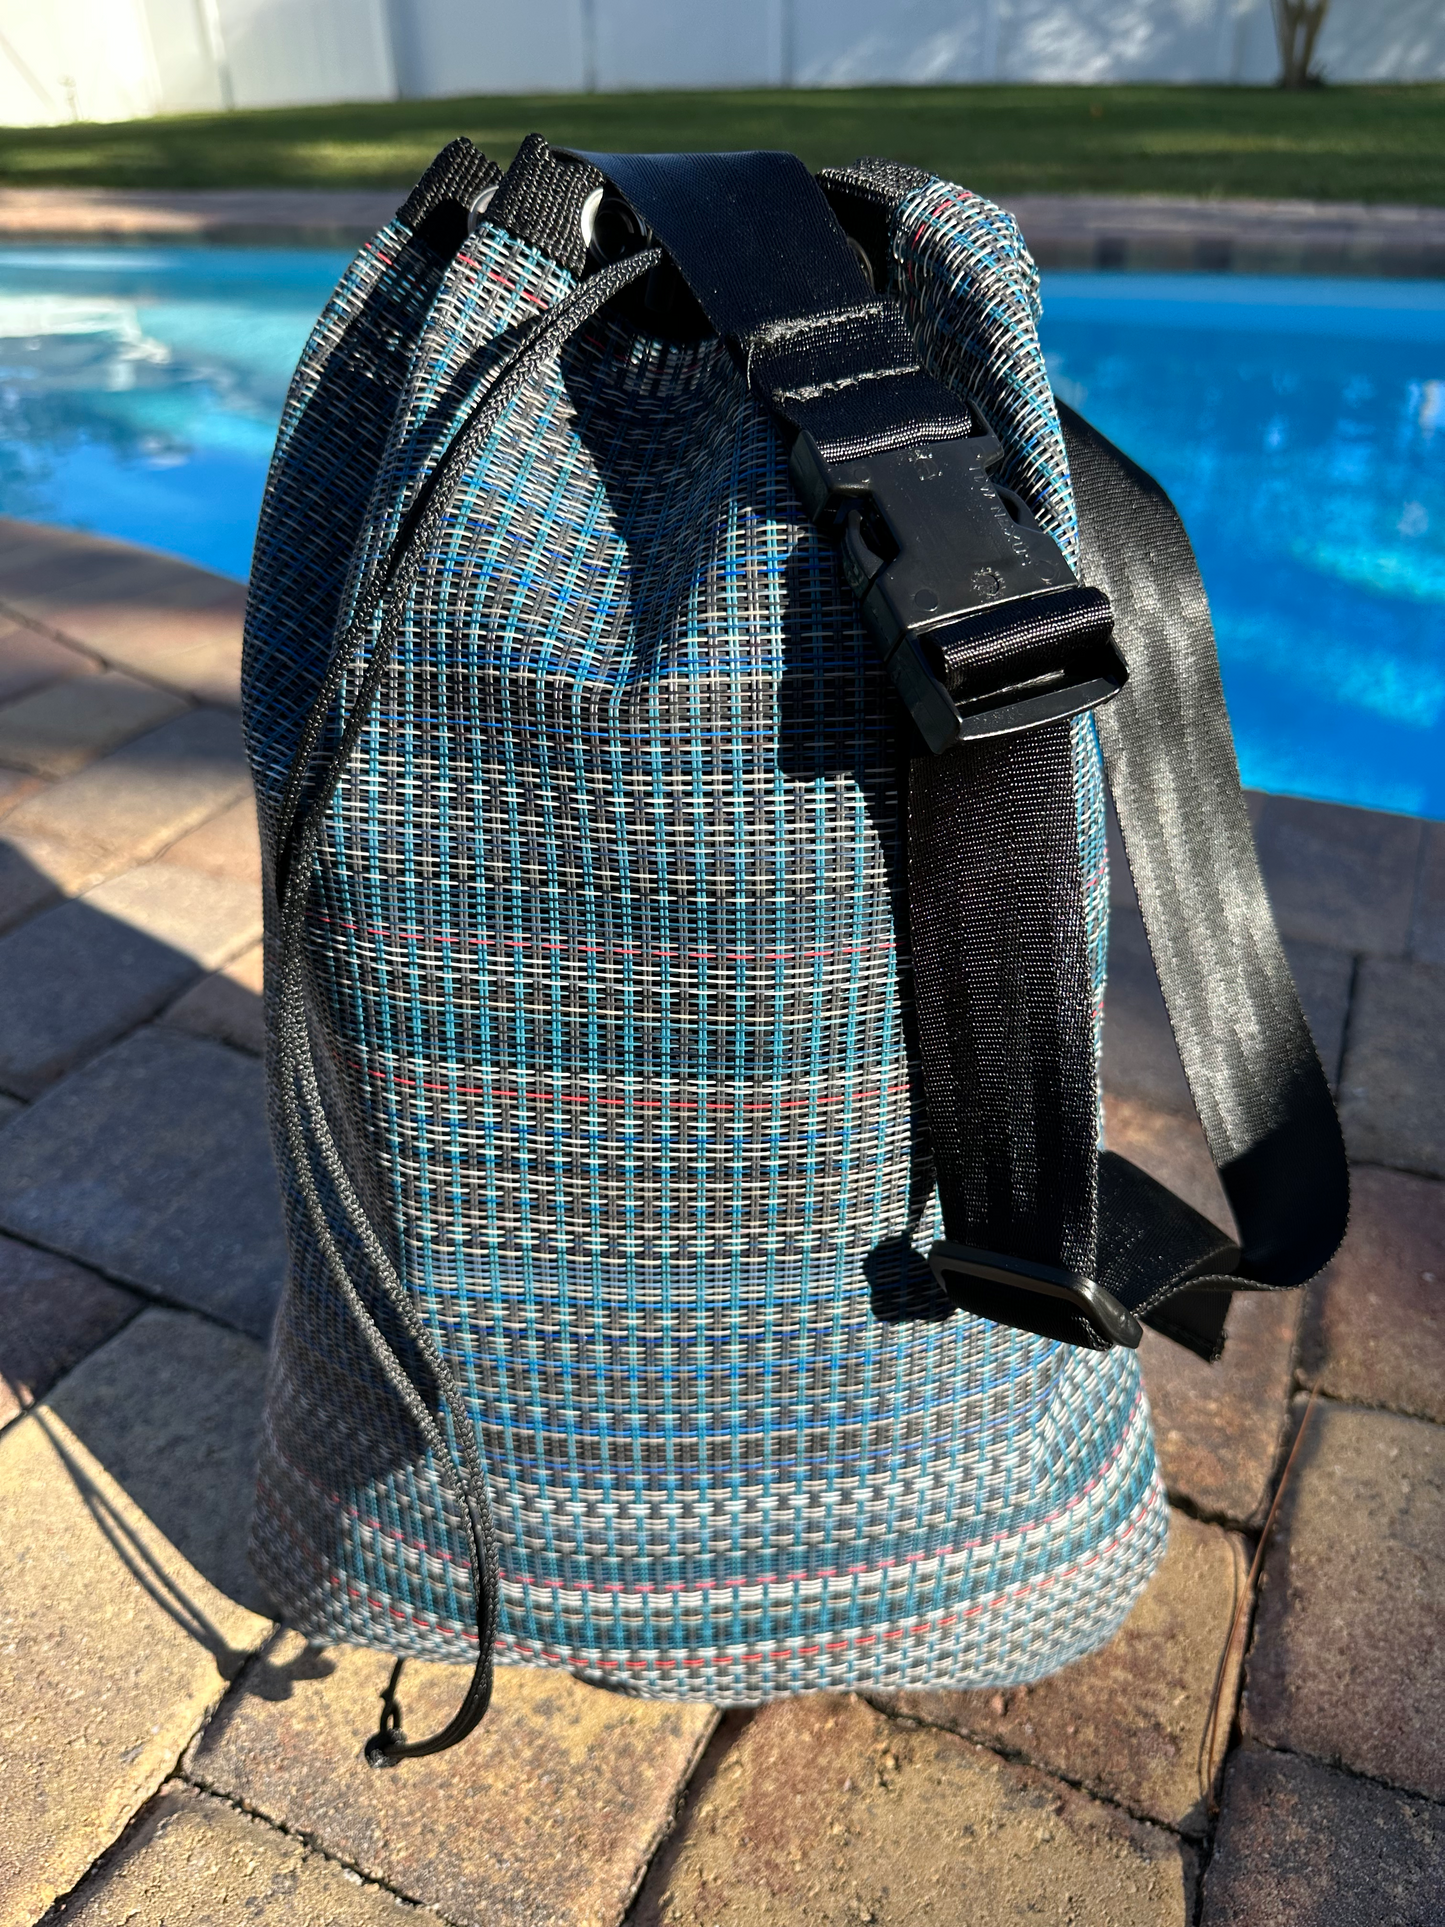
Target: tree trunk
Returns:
[1297, 26]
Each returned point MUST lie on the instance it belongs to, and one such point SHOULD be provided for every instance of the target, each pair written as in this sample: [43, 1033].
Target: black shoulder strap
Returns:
[1252, 1067]
[774, 273]
[1042, 1232]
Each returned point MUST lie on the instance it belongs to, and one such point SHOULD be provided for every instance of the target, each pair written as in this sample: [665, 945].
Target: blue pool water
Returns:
[1300, 427]
[140, 388]
[1298, 424]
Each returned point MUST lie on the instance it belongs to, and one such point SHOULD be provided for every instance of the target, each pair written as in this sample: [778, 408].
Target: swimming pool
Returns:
[1300, 428]
[1298, 424]
[140, 388]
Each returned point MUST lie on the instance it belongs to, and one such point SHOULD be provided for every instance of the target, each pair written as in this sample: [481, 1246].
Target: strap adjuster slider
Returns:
[961, 1271]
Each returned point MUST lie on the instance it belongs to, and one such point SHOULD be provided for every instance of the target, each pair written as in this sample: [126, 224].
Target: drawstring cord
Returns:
[541, 341]
[308, 1131]
[389, 1734]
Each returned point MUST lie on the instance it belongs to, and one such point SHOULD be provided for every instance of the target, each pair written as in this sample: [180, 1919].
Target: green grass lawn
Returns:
[1336, 143]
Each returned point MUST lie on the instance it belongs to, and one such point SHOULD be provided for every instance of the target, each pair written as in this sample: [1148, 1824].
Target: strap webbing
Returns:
[762, 251]
[999, 958]
[1001, 984]
[1252, 1067]
[755, 239]
[1000, 961]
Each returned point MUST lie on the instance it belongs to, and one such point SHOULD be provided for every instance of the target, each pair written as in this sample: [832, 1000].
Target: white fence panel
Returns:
[854, 42]
[661, 43]
[114, 59]
[1369, 40]
[74, 60]
[185, 46]
[838, 43]
[280, 53]
[1113, 40]
[857, 43]
[1254, 55]
[490, 47]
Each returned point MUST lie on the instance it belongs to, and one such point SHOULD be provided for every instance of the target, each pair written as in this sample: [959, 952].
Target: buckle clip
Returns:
[982, 625]
[959, 1270]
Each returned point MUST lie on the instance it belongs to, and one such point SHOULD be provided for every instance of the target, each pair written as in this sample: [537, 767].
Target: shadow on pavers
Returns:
[171, 1408]
[149, 1158]
[149, 1571]
[144, 1154]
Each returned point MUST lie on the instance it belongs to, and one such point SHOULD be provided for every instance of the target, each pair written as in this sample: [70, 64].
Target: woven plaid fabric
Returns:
[333, 432]
[604, 980]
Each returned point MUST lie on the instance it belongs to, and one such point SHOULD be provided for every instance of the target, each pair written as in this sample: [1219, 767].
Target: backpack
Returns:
[686, 640]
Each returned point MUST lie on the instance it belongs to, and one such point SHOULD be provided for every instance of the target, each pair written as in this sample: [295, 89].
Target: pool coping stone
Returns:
[1147, 231]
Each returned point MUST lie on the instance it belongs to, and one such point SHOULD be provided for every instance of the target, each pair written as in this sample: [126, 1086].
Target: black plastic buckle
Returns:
[983, 626]
[960, 1270]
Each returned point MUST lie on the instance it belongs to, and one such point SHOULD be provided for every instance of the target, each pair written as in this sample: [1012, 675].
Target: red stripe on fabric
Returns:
[663, 1662]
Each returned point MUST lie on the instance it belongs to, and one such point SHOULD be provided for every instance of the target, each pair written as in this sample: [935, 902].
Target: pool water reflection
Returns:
[1298, 424]
[140, 387]
[1300, 427]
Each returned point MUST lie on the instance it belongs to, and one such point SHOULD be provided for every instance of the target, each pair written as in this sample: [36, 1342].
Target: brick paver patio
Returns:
[169, 1755]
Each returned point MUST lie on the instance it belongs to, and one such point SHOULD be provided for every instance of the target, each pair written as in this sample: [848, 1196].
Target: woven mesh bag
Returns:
[595, 1082]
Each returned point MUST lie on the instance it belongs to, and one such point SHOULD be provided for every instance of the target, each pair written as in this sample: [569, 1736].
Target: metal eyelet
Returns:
[479, 206]
[587, 220]
[611, 229]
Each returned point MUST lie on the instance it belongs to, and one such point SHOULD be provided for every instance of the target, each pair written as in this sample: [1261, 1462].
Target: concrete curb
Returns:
[1064, 230]
[1259, 237]
[244, 217]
